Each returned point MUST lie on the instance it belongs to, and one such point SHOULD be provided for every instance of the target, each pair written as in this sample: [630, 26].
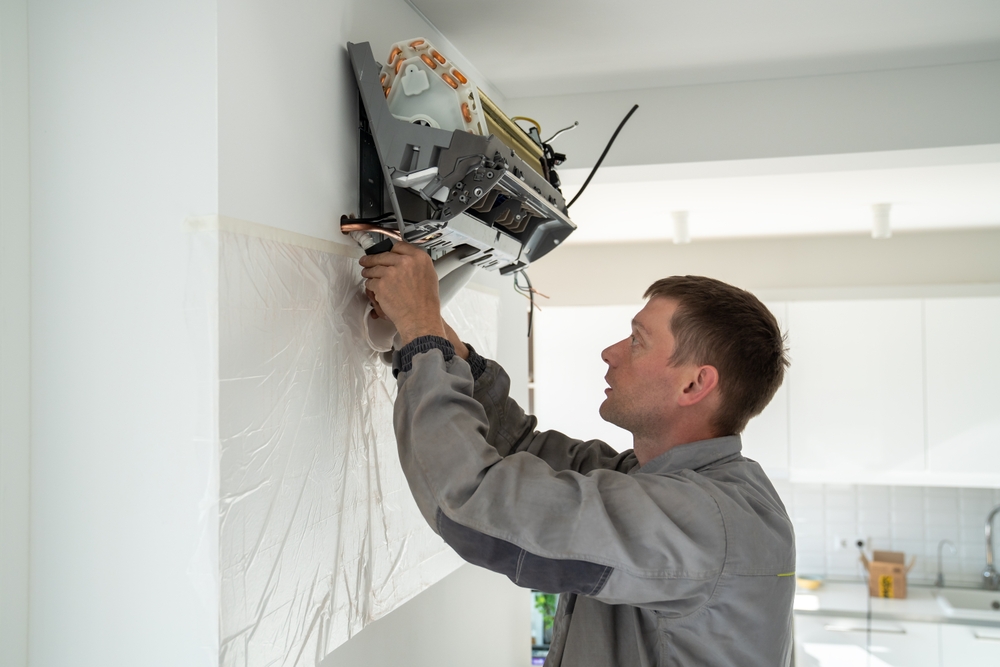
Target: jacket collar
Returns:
[694, 455]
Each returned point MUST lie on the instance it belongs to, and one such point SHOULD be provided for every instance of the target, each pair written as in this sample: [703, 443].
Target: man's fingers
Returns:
[374, 271]
[404, 248]
[410, 252]
[381, 259]
[377, 307]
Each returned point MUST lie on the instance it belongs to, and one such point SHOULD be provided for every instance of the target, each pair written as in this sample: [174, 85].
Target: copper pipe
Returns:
[365, 227]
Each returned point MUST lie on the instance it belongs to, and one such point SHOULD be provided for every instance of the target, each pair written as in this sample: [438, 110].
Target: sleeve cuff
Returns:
[404, 358]
[477, 362]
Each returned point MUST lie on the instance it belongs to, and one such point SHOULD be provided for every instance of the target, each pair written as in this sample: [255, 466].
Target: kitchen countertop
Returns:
[850, 600]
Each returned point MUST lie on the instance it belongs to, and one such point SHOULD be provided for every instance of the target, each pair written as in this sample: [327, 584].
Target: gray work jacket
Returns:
[686, 560]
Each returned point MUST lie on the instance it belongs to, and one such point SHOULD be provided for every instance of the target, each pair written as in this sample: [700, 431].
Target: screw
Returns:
[478, 192]
[489, 174]
[459, 185]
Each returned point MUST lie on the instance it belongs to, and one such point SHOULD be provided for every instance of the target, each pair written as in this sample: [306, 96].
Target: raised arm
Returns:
[620, 538]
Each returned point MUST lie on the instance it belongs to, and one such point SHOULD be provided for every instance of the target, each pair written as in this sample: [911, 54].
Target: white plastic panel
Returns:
[318, 533]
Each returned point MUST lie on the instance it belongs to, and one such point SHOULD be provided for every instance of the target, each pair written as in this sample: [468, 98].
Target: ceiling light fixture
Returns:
[681, 232]
[880, 221]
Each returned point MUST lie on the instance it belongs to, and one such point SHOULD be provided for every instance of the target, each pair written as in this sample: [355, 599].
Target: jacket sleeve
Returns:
[655, 541]
[511, 430]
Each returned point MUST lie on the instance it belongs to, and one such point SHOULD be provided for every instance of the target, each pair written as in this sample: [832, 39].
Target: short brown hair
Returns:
[729, 328]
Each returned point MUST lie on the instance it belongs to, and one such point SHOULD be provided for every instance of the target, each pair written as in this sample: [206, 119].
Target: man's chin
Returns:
[607, 411]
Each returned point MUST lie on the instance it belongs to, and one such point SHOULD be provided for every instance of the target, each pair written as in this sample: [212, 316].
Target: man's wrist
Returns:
[413, 330]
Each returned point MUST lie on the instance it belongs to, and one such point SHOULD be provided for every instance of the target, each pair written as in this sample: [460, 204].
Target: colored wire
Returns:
[604, 154]
[530, 120]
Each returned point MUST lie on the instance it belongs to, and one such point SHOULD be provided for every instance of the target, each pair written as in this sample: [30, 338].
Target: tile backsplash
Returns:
[830, 518]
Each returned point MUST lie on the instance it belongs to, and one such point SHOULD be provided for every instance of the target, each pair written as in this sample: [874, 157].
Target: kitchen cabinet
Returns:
[822, 641]
[964, 645]
[963, 386]
[856, 395]
[765, 439]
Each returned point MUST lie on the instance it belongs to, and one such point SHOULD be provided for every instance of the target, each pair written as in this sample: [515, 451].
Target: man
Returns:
[677, 552]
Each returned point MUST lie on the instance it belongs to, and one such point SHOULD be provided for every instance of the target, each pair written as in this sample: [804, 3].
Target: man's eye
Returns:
[634, 340]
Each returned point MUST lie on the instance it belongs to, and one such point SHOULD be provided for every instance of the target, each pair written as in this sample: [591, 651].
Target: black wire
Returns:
[378, 218]
[530, 293]
[604, 154]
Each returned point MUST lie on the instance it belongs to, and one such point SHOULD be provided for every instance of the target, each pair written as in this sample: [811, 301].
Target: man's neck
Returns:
[646, 449]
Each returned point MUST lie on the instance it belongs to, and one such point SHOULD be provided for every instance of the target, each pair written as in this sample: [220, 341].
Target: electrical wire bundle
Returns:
[529, 293]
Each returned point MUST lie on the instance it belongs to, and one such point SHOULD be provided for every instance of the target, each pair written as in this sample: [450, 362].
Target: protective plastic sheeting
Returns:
[318, 534]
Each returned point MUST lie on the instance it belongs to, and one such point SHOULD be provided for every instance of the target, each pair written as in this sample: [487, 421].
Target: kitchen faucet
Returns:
[939, 582]
[991, 578]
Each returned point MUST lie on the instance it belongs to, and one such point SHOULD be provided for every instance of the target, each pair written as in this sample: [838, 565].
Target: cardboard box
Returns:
[887, 573]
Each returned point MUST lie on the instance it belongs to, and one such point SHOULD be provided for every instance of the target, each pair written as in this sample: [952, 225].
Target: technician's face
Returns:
[641, 380]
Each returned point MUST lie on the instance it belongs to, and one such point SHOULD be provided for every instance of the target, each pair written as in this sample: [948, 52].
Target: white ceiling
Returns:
[550, 47]
[792, 196]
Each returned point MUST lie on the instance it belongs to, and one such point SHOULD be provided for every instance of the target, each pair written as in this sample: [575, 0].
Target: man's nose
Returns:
[610, 354]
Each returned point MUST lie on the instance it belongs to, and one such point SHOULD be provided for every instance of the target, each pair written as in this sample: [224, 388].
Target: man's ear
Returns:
[701, 384]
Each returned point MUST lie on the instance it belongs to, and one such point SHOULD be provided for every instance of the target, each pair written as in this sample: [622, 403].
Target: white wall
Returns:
[288, 136]
[288, 159]
[123, 148]
[15, 345]
[472, 617]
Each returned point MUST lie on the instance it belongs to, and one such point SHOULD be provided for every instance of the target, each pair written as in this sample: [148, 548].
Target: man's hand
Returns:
[405, 287]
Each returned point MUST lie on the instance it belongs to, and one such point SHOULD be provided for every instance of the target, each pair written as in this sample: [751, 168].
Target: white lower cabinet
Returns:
[965, 645]
[833, 641]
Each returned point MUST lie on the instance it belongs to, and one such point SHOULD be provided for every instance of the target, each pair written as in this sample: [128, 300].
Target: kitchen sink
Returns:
[969, 603]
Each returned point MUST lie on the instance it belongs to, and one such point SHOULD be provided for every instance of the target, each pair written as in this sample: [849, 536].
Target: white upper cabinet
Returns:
[963, 386]
[856, 403]
[765, 439]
